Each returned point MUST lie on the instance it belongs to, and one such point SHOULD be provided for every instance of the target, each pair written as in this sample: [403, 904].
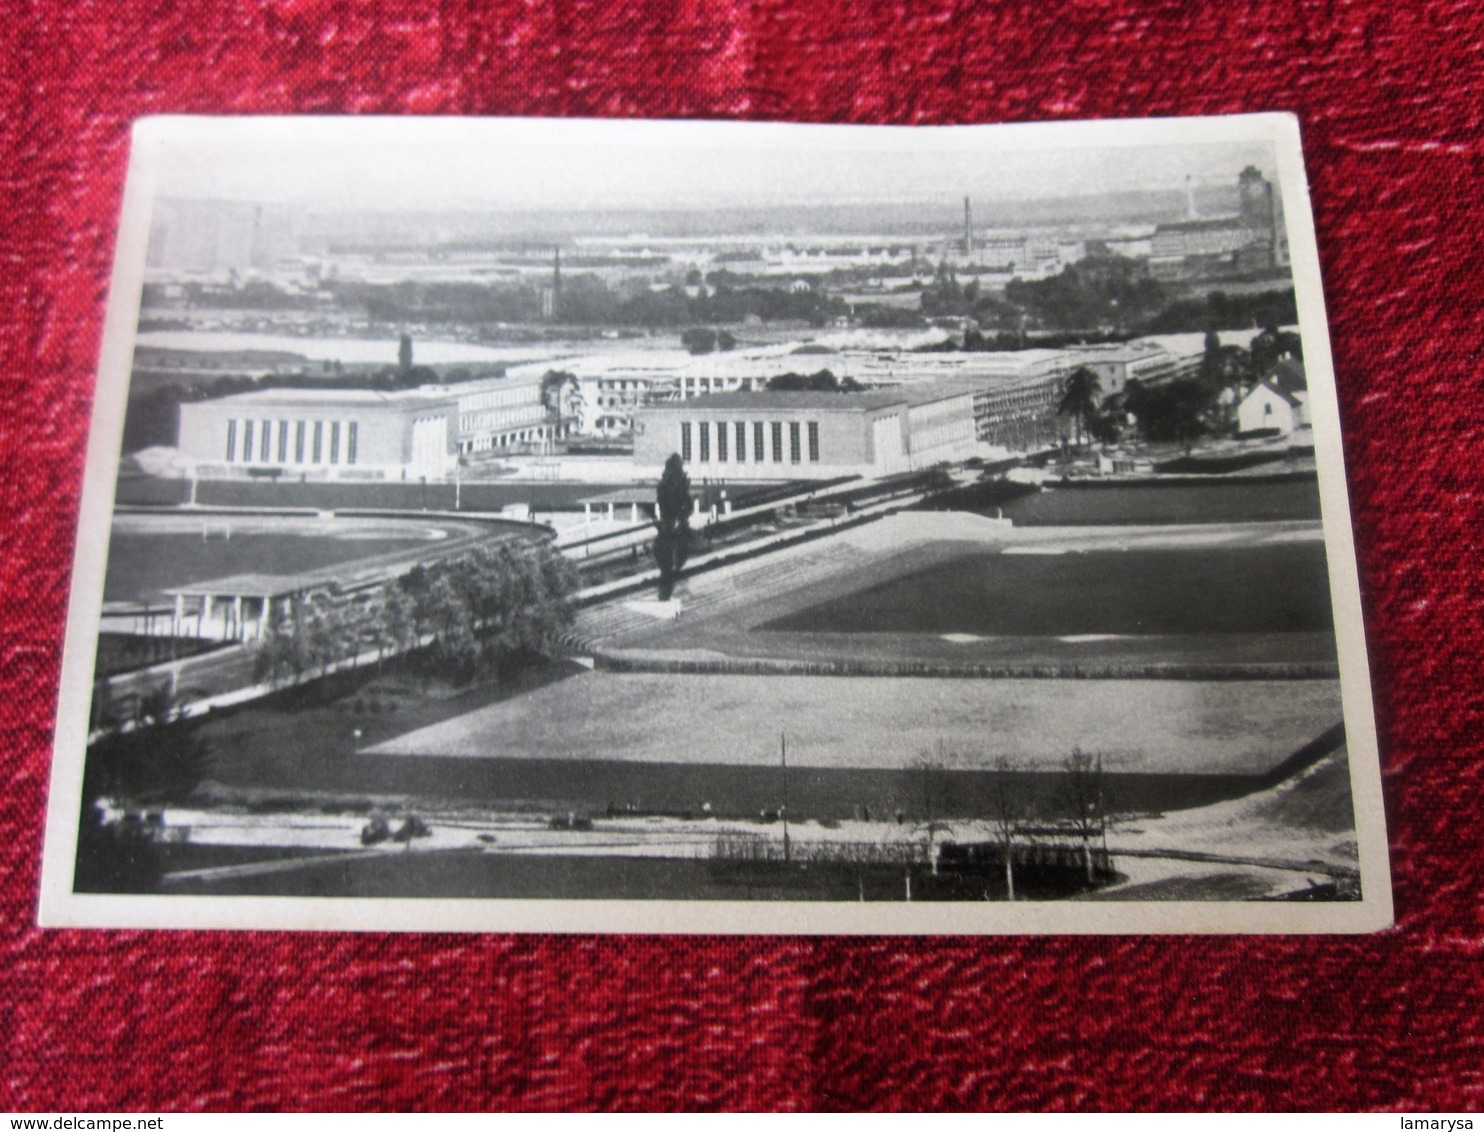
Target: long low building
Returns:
[501, 415]
[784, 436]
[361, 433]
[322, 434]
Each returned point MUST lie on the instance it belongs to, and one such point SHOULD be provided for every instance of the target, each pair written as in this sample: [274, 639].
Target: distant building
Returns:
[1148, 363]
[787, 436]
[1218, 236]
[1250, 242]
[1021, 254]
[608, 404]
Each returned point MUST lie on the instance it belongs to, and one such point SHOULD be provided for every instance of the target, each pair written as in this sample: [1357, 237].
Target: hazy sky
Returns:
[524, 165]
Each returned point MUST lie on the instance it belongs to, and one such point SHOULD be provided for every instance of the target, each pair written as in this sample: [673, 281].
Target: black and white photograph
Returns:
[716, 527]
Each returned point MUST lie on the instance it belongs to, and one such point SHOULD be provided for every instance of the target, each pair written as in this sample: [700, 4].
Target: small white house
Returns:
[1268, 407]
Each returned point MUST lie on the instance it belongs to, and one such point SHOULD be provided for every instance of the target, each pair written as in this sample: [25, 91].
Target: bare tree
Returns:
[1007, 810]
[1082, 799]
[931, 770]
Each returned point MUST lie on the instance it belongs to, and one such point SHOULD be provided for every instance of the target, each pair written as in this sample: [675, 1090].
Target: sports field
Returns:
[149, 553]
[140, 566]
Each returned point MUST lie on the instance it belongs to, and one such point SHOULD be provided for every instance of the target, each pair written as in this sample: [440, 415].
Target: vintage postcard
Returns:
[716, 527]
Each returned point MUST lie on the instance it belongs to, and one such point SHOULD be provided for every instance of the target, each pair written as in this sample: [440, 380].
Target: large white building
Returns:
[351, 434]
[800, 436]
[321, 434]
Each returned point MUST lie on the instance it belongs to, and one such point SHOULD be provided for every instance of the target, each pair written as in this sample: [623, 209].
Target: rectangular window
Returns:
[741, 442]
[814, 442]
[265, 452]
[247, 442]
[298, 442]
[283, 442]
[231, 441]
[685, 441]
[793, 442]
[777, 442]
[319, 441]
[334, 442]
[757, 442]
[721, 442]
[705, 430]
[350, 442]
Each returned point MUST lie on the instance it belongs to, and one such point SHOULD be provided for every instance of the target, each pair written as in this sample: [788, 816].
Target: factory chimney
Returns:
[968, 228]
[556, 282]
[1190, 212]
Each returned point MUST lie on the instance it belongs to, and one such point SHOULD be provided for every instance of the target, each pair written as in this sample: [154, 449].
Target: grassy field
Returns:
[1238, 500]
[1143, 726]
[1252, 589]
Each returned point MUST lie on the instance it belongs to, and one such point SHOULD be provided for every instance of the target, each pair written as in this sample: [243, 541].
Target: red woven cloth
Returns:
[1391, 98]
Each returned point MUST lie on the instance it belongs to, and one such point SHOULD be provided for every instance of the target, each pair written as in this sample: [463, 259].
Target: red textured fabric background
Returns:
[1391, 97]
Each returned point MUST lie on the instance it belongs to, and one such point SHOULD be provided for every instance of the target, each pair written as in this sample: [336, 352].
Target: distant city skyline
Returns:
[533, 166]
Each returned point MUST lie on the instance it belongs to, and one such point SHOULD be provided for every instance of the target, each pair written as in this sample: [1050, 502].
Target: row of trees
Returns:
[1099, 291]
[1078, 805]
[589, 300]
[478, 614]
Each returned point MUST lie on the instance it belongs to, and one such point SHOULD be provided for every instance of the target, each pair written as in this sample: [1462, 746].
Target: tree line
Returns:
[1181, 410]
[483, 613]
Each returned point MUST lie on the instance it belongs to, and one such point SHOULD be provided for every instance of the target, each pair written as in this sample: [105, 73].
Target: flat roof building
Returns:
[808, 435]
[362, 433]
[318, 434]
[498, 415]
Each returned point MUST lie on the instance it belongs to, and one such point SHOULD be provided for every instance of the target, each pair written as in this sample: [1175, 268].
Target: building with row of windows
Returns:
[501, 415]
[772, 436]
[360, 433]
[320, 434]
